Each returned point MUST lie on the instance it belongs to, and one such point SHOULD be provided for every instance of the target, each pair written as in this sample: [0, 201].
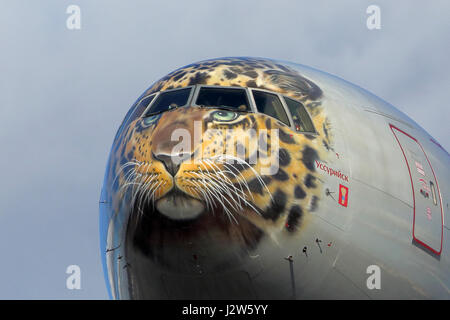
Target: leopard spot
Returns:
[284, 156]
[309, 156]
[294, 217]
[285, 137]
[277, 206]
[299, 193]
[310, 181]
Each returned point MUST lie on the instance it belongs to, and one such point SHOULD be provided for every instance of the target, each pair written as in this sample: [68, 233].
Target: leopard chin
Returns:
[178, 206]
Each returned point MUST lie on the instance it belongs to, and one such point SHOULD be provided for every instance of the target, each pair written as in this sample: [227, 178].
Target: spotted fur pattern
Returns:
[274, 203]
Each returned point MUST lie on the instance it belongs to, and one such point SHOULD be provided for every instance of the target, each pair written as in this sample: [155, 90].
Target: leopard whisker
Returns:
[204, 194]
[224, 189]
[206, 188]
[221, 158]
[237, 194]
[133, 162]
[227, 211]
[220, 184]
[226, 179]
[219, 196]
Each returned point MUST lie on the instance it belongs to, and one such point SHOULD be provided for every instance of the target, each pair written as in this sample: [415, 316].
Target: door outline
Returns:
[413, 194]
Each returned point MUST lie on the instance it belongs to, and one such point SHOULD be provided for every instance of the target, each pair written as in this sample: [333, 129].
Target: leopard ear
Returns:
[292, 81]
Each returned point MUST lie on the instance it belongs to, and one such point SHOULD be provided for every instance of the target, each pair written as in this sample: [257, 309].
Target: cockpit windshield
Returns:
[169, 100]
[287, 110]
[230, 98]
[302, 121]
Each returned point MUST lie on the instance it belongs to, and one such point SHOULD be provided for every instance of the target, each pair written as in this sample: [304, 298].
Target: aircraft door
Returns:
[427, 222]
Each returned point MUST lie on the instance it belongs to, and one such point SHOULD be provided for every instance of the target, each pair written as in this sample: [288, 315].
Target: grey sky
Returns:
[63, 94]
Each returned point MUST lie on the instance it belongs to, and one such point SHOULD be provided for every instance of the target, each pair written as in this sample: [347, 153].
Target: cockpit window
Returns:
[270, 104]
[143, 104]
[301, 119]
[135, 112]
[168, 100]
[234, 98]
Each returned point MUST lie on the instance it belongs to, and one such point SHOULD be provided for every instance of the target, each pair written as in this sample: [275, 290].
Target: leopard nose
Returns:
[172, 162]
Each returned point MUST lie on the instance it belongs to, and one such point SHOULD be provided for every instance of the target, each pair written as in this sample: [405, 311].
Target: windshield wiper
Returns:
[225, 108]
[161, 111]
[154, 113]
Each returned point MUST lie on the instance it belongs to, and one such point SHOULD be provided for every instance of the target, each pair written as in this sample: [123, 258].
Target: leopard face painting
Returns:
[210, 172]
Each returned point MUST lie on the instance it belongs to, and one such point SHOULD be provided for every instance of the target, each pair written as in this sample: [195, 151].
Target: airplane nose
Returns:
[172, 162]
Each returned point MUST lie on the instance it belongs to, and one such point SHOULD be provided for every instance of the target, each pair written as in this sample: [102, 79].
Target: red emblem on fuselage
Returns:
[343, 195]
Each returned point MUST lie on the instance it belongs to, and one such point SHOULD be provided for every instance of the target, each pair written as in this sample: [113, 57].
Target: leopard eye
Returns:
[224, 115]
[151, 120]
